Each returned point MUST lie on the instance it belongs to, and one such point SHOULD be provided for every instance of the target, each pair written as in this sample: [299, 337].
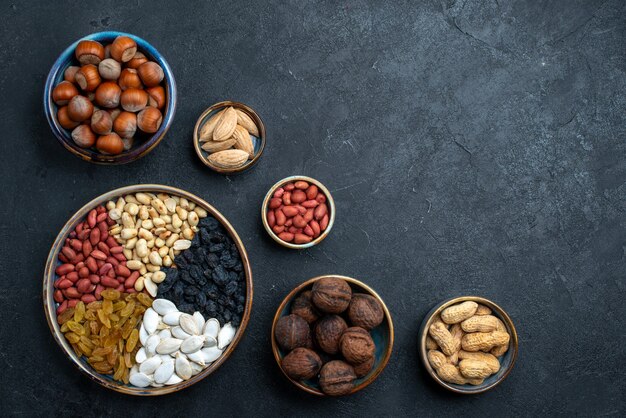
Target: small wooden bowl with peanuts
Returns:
[468, 344]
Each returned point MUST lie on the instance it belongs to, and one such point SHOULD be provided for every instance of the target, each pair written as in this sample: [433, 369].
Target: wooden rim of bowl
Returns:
[329, 201]
[368, 290]
[500, 313]
[49, 304]
[250, 112]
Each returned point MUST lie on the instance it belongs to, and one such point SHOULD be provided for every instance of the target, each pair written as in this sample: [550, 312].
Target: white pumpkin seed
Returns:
[165, 333]
[183, 368]
[141, 355]
[163, 307]
[143, 335]
[209, 341]
[211, 354]
[179, 333]
[196, 368]
[196, 357]
[152, 343]
[150, 320]
[164, 372]
[172, 319]
[197, 316]
[168, 346]
[150, 365]
[211, 328]
[174, 380]
[192, 344]
[188, 324]
[225, 336]
[134, 369]
[140, 380]
[150, 286]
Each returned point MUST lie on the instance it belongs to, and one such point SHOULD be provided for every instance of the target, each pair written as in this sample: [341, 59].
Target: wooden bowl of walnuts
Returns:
[468, 344]
[332, 335]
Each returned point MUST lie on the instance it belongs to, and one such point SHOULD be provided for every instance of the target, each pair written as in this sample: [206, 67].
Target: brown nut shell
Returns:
[88, 78]
[292, 332]
[64, 119]
[70, 73]
[136, 61]
[356, 345]
[149, 120]
[123, 49]
[151, 73]
[301, 363]
[331, 295]
[110, 144]
[337, 378]
[328, 333]
[101, 122]
[63, 93]
[79, 108]
[89, 52]
[156, 97]
[303, 307]
[362, 369]
[365, 311]
[129, 79]
[83, 136]
[134, 100]
[108, 95]
[125, 124]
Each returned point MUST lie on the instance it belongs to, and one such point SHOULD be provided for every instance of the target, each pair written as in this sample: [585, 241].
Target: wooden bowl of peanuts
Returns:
[468, 344]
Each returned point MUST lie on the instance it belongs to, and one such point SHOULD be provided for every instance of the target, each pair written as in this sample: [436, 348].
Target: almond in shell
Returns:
[243, 140]
[231, 158]
[206, 133]
[226, 125]
[215, 146]
[246, 121]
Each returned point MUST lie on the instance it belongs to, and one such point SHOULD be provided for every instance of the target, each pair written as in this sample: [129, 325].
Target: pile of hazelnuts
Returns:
[114, 93]
[321, 343]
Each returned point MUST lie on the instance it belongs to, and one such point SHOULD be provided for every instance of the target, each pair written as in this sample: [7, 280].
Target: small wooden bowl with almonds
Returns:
[468, 344]
[229, 137]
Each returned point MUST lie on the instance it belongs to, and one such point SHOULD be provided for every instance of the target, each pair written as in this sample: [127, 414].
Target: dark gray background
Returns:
[472, 147]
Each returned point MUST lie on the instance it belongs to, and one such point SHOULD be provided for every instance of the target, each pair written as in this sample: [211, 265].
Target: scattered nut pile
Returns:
[176, 345]
[321, 343]
[106, 331]
[464, 344]
[115, 92]
[226, 137]
[152, 229]
[297, 212]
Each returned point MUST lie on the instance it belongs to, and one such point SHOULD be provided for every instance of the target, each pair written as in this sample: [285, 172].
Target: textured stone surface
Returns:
[472, 147]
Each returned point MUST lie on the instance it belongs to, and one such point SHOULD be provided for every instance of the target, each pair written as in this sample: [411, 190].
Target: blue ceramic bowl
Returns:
[507, 360]
[140, 148]
[382, 335]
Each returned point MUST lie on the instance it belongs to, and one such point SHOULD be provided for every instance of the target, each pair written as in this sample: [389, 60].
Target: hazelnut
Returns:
[301, 364]
[303, 307]
[328, 333]
[331, 295]
[362, 369]
[365, 311]
[356, 345]
[337, 378]
[89, 52]
[292, 332]
[123, 49]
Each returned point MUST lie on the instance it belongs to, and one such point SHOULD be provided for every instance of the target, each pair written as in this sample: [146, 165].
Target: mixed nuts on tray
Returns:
[120, 257]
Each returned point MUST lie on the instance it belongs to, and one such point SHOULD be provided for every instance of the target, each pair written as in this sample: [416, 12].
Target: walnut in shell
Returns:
[301, 364]
[292, 332]
[357, 345]
[331, 295]
[337, 378]
[328, 333]
[365, 311]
